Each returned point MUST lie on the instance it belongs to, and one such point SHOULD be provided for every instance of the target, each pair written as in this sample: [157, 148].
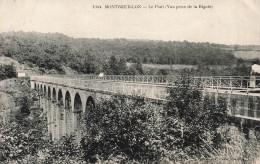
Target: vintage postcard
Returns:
[129, 81]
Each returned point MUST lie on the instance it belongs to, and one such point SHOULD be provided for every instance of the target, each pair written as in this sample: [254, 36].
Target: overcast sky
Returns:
[229, 22]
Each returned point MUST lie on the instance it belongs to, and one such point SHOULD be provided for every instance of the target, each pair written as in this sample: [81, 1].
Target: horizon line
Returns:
[129, 39]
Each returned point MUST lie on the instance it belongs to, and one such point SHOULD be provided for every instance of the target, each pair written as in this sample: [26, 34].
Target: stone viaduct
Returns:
[67, 100]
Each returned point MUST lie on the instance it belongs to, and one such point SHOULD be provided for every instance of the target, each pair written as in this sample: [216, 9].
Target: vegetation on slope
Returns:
[51, 51]
[122, 130]
[7, 71]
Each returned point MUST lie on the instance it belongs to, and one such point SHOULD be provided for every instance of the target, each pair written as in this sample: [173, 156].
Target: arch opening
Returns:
[60, 97]
[77, 103]
[49, 93]
[78, 114]
[44, 90]
[90, 105]
[67, 100]
[41, 89]
[54, 95]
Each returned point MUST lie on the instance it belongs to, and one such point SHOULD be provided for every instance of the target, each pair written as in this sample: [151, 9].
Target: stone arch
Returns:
[62, 123]
[38, 87]
[54, 95]
[90, 104]
[41, 89]
[77, 102]
[56, 114]
[41, 94]
[50, 114]
[44, 90]
[78, 109]
[67, 100]
[68, 113]
[35, 87]
[60, 97]
[49, 92]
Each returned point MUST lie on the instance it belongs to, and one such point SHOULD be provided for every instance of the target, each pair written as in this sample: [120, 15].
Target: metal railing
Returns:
[214, 82]
[149, 79]
[229, 82]
[154, 87]
[149, 91]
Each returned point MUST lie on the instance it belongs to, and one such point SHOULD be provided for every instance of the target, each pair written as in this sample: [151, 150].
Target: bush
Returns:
[193, 120]
[7, 71]
[186, 128]
[126, 128]
[22, 137]
[65, 151]
[25, 103]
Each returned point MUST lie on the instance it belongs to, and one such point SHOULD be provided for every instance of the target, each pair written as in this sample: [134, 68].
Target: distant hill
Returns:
[55, 50]
[248, 54]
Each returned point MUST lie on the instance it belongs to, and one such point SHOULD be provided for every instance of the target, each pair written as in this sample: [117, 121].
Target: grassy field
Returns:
[165, 66]
[168, 66]
[247, 54]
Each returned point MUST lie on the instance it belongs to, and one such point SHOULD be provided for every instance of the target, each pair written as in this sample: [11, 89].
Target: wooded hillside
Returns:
[53, 50]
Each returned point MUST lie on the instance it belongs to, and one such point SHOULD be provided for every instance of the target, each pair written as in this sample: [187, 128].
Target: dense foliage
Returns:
[7, 71]
[192, 120]
[186, 127]
[124, 129]
[22, 137]
[51, 51]
[189, 128]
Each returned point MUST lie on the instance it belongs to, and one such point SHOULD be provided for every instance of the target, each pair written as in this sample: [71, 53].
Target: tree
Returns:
[121, 127]
[139, 67]
[25, 104]
[132, 70]
[162, 72]
[7, 71]
[106, 68]
[192, 119]
[113, 65]
[89, 64]
[122, 66]
[255, 61]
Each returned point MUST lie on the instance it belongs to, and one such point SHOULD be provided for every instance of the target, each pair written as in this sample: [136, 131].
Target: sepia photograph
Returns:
[130, 82]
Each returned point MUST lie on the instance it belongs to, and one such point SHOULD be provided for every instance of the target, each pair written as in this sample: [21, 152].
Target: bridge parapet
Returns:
[148, 79]
[229, 82]
[153, 89]
[216, 82]
[148, 90]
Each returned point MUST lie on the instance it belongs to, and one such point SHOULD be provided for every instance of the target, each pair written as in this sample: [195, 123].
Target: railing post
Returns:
[241, 85]
[230, 84]
[212, 83]
[220, 81]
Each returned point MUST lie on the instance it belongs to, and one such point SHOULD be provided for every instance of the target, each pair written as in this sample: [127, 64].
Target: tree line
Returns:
[52, 51]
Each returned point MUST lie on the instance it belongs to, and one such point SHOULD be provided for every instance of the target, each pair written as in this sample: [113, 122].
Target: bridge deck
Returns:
[247, 106]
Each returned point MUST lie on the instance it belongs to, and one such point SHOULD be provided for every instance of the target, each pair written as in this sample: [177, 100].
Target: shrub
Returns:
[123, 127]
[65, 151]
[7, 71]
[25, 103]
[192, 121]
[188, 126]
[22, 137]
